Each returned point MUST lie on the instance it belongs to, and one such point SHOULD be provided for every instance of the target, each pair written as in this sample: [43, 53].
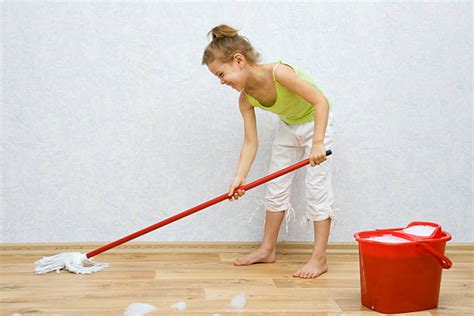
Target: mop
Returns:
[80, 263]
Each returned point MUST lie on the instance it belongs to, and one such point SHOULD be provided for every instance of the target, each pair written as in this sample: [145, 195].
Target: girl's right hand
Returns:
[233, 193]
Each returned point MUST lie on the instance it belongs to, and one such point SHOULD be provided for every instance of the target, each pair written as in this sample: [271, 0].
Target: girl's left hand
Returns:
[318, 155]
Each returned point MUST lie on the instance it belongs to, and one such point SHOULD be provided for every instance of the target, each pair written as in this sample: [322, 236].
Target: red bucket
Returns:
[400, 271]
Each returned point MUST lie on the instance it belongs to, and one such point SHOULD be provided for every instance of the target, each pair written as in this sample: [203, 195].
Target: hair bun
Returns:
[223, 30]
[225, 42]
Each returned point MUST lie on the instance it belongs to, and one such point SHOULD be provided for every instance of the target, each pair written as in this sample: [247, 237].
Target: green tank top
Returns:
[290, 107]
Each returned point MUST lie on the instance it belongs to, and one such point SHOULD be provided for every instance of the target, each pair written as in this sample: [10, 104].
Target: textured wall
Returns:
[110, 123]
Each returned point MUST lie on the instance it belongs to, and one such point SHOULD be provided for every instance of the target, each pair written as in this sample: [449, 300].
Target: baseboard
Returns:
[206, 247]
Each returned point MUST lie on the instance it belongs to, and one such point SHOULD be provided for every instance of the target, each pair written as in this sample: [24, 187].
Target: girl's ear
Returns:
[239, 59]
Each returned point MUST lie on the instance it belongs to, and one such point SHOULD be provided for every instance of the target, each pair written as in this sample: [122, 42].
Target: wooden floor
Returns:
[203, 276]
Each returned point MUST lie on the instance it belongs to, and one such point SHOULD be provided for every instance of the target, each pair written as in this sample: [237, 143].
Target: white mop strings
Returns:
[75, 262]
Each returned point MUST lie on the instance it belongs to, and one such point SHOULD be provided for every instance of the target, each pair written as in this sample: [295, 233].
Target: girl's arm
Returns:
[287, 77]
[249, 148]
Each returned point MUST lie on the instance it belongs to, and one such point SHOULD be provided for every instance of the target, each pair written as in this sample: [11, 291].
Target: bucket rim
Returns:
[445, 236]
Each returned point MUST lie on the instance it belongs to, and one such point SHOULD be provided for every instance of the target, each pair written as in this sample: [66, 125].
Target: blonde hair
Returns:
[226, 41]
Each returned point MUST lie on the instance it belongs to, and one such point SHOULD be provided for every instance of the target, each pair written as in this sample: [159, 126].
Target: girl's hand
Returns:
[318, 155]
[236, 194]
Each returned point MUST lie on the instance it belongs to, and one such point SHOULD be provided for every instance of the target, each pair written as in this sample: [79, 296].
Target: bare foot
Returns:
[260, 256]
[315, 267]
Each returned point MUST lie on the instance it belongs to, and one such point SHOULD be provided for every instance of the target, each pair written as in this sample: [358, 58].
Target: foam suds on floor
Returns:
[139, 309]
[181, 306]
[239, 301]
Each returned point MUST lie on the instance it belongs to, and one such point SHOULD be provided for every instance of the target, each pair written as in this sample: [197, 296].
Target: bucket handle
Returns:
[442, 259]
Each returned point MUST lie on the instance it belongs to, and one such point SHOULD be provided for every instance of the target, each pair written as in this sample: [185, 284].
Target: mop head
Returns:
[75, 262]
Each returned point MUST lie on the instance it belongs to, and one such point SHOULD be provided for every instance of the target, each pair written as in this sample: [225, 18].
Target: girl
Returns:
[305, 129]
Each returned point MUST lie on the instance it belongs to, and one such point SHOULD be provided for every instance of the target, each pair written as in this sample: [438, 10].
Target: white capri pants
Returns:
[292, 144]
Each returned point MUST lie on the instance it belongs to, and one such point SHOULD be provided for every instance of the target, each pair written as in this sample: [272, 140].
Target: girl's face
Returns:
[232, 73]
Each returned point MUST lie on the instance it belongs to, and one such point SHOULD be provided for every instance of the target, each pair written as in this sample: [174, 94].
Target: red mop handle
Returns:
[200, 207]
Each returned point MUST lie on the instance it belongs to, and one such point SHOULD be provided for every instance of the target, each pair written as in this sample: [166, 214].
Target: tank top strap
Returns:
[281, 63]
[274, 68]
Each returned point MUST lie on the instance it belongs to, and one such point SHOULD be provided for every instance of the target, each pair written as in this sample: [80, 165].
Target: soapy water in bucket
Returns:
[388, 238]
[419, 230]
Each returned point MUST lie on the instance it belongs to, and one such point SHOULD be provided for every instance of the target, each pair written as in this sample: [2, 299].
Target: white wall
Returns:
[110, 123]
